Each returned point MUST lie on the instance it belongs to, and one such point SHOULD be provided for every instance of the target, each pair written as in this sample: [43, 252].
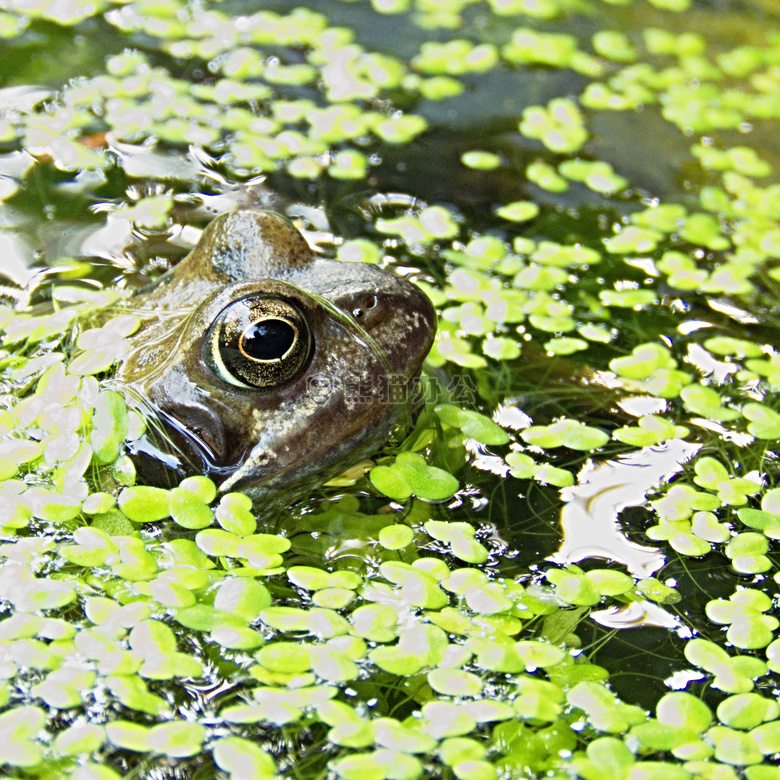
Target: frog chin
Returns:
[178, 442]
[270, 477]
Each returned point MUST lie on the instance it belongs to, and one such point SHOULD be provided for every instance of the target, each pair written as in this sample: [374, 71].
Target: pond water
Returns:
[568, 567]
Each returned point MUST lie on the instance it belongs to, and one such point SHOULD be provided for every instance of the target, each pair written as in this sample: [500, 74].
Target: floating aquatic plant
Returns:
[384, 633]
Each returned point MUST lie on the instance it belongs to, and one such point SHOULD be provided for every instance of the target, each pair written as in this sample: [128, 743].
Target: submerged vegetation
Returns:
[589, 193]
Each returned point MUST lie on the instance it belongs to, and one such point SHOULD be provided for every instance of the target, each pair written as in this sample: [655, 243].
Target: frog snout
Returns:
[366, 309]
[407, 307]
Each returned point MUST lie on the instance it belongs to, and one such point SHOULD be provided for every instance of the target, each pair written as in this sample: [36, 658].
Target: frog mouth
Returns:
[316, 466]
[175, 444]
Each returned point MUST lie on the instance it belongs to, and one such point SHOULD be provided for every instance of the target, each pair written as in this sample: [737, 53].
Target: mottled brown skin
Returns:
[278, 442]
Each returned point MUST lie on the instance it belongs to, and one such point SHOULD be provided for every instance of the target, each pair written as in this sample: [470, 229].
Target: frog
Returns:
[267, 366]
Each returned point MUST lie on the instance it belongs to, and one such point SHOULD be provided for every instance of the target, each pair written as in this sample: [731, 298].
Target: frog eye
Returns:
[258, 342]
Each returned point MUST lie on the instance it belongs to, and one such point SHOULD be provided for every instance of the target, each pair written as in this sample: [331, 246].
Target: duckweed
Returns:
[565, 433]
[560, 125]
[411, 475]
[519, 211]
[404, 643]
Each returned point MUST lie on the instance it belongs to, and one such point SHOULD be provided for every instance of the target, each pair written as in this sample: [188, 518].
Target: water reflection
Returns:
[635, 615]
[589, 519]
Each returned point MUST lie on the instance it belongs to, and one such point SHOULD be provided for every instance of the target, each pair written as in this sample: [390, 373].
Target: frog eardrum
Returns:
[258, 342]
[267, 367]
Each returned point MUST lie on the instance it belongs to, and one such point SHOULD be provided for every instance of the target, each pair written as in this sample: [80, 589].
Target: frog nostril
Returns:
[368, 303]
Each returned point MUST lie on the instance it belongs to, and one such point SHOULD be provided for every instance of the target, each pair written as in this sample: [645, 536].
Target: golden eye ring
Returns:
[258, 342]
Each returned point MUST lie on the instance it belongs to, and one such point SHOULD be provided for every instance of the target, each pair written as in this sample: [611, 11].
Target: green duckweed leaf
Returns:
[242, 757]
[217, 543]
[479, 160]
[764, 422]
[287, 657]
[628, 299]
[411, 475]
[358, 250]
[596, 175]
[234, 514]
[396, 537]
[643, 362]
[144, 504]
[375, 622]
[651, 429]
[378, 765]
[177, 739]
[348, 164]
[237, 638]
[354, 734]
[685, 711]
[767, 737]
[418, 647]
[565, 346]
[400, 129]
[459, 749]
[610, 755]
[614, 45]
[454, 682]
[454, 350]
[546, 177]
[443, 719]
[474, 425]
[311, 578]
[171, 594]
[242, 596]
[707, 402]
[201, 617]
[203, 487]
[455, 57]
[18, 727]
[14, 452]
[418, 588]
[110, 425]
[605, 711]
[188, 510]
[531, 46]
[460, 537]
[85, 738]
[734, 747]
[402, 737]
[705, 525]
[518, 211]
[704, 229]
[475, 770]
[747, 711]
[127, 735]
[574, 587]
[439, 87]
[550, 475]
[733, 675]
[733, 347]
[633, 239]
[319, 622]
[565, 433]
[766, 522]
[535, 653]
[560, 125]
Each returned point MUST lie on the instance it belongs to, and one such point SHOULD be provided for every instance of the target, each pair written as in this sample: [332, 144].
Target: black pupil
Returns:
[267, 340]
